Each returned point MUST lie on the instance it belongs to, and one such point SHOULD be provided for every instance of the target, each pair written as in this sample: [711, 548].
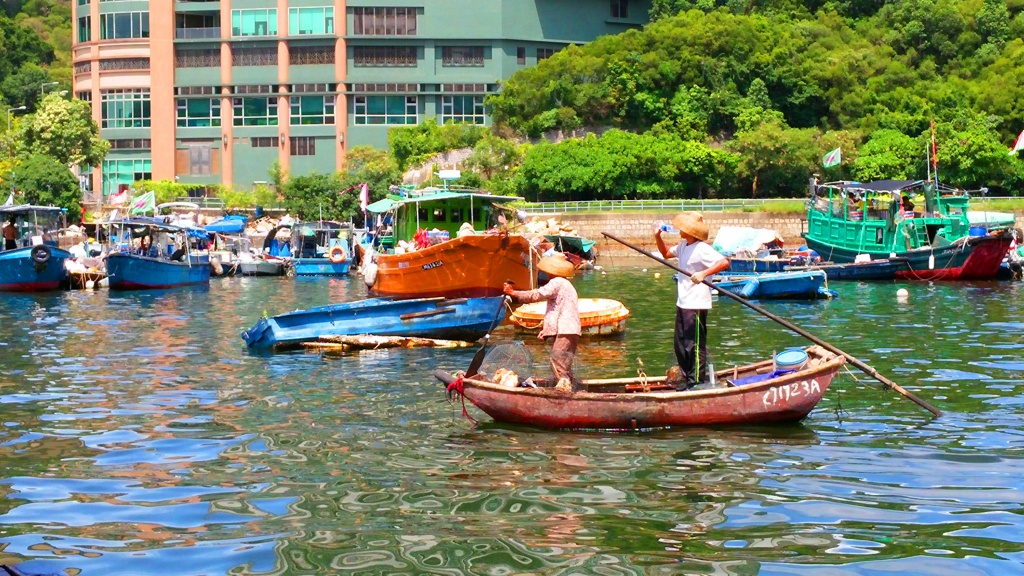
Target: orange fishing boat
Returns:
[453, 243]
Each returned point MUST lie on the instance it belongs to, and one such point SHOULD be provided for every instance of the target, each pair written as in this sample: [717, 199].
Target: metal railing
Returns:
[197, 33]
[709, 205]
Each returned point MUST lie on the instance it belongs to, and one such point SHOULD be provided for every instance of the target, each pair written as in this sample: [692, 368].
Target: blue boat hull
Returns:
[320, 267]
[756, 265]
[451, 319]
[134, 272]
[874, 270]
[19, 273]
[780, 286]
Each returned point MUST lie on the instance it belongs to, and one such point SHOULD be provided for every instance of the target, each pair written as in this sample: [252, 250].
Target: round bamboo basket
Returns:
[598, 316]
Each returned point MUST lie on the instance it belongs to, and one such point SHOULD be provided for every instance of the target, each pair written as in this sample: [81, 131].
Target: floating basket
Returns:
[597, 316]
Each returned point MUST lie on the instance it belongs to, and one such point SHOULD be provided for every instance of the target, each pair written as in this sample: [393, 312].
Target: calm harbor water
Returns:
[140, 437]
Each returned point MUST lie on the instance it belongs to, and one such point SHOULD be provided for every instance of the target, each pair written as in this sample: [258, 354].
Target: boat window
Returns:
[439, 215]
[456, 215]
[423, 213]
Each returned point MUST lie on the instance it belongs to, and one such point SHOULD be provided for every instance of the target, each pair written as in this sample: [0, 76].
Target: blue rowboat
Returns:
[35, 264]
[778, 286]
[155, 264]
[450, 319]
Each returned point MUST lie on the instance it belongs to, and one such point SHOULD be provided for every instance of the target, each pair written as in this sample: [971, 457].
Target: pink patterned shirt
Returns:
[562, 315]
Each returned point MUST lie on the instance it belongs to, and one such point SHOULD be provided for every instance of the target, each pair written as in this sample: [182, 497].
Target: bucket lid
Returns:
[792, 357]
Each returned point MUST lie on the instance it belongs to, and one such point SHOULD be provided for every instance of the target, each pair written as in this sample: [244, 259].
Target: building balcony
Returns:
[194, 6]
[197, 33]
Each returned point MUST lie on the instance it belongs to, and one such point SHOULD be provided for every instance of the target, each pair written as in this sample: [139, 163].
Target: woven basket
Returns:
[594, 312]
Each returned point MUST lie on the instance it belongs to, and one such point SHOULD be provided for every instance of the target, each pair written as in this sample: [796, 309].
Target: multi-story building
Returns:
[214, 92]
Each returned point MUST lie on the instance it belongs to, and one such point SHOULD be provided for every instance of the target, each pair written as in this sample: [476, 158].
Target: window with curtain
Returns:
[85, 29]
[255, 111]
[462, 109]
[256, 22]
[127, 108]
[119, 25]
[308, 21]
[125, 172]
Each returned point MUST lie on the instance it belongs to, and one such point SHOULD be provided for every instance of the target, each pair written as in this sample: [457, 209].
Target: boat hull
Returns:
[874, 270]
[134, 272]
[777, 286]
[261, 268]
[969, 258]
[320, 267]
[19, 273]
[459, 319]
[471, 266]
[786, 398]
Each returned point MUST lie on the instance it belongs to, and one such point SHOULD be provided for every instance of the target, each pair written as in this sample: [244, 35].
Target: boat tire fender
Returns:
[40, 254]
[336, 255]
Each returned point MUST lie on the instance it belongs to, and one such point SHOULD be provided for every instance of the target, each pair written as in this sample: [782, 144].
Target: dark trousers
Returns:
[691, 344]
[563, 355]
[10, 244]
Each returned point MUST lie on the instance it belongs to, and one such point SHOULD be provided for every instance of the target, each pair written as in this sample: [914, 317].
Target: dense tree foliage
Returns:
[773, 86]
[414, 144]
[63, 129]
[45, 181]
[336, 196]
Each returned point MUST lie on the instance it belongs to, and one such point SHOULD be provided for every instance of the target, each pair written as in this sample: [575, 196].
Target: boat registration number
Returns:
[433, 264]
[783, 394]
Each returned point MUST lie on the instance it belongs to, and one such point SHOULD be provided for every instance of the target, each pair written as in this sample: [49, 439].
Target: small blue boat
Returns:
[321, 249]
[32, 262]
[809, 285]
[147, 254]
[466, 319]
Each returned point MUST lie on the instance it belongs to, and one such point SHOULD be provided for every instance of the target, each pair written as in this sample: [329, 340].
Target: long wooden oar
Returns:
[852, 360]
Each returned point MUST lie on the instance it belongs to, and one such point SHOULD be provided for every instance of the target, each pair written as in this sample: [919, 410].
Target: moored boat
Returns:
[924, 223]
[440, 318]
[34, 263]
[446, 243]
[148, 254]
[598, 317]
[758, 393]
[321, 248]
[871, 270]
[809, 285]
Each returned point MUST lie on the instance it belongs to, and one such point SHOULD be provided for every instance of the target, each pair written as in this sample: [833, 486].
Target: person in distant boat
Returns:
[179, 254]
[693, 299]
[906, 205]
[10, 235]
[562, 316]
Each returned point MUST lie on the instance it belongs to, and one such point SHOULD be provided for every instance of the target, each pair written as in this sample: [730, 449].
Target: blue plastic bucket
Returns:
[977, 231]
[792, 359]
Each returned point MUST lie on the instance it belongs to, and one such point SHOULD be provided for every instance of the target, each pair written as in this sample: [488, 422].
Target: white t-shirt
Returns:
[694, 258]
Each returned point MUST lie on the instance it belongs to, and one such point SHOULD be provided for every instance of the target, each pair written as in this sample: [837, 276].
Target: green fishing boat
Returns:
[923, 222]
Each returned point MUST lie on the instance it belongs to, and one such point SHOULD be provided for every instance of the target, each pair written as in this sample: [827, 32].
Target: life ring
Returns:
[336, 255]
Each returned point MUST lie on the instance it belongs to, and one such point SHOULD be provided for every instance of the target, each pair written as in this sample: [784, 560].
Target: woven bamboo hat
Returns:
[692, 224]
[556, 265]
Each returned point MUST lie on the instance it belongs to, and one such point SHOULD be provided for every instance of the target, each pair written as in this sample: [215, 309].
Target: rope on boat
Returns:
[456, 388]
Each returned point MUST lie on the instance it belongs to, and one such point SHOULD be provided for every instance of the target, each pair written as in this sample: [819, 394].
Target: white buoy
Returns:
[644, 270]
[902, 293]
[90, 284]
[657, 275]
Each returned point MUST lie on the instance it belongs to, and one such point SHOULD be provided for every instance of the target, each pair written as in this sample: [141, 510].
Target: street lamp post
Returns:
[42, 87]
[9, 110]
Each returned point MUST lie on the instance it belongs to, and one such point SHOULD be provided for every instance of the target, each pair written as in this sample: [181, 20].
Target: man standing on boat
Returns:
[10, 235]
[562, 316]
[693, 300]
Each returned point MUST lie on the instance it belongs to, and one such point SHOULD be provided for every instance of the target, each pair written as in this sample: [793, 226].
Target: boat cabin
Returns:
[151, 238]
[33, 225]
[316, 239]
[401, 216]
[886, 216]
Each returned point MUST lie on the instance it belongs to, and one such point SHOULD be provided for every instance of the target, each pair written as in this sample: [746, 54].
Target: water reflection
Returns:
[140, 437]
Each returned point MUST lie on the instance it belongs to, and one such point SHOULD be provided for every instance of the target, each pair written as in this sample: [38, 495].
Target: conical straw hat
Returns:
[692, 224]
[557, 266]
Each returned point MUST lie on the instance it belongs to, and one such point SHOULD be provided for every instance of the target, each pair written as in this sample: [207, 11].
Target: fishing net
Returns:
[512, 357]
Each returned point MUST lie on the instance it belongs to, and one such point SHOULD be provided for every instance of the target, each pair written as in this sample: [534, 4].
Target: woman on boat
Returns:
[693, 299]
[562, 317]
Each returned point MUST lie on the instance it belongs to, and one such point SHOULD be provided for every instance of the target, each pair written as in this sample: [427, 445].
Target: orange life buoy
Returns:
[336, 254]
